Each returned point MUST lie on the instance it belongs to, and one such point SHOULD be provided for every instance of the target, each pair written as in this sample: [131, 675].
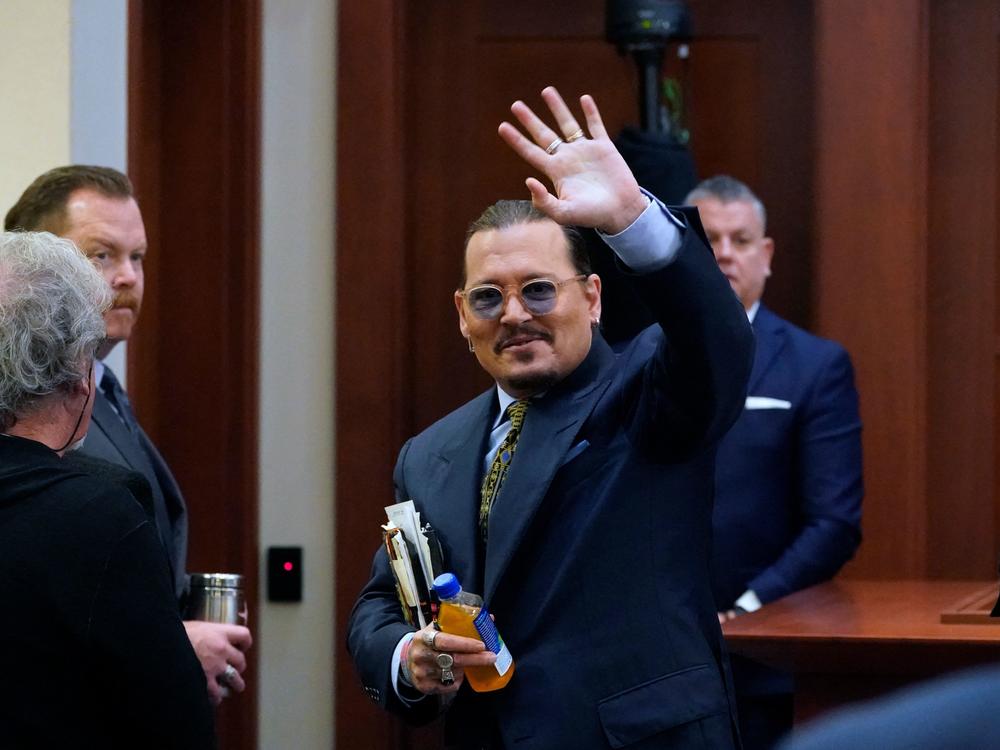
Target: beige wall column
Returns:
[297, 649]
[35, 79]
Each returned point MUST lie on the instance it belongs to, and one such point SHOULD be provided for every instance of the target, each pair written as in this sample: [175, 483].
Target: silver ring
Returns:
[554, 146]
[575, 136]
[445, 661]
[447, 677]
[428, 636]
[229, 674]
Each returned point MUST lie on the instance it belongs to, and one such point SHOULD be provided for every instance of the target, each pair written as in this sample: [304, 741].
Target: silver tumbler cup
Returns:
[217, 597]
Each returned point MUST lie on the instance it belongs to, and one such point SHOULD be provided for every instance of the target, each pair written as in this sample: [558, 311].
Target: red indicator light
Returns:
[287, 566]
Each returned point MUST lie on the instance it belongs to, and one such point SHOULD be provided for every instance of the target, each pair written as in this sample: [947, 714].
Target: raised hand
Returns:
[593, 185]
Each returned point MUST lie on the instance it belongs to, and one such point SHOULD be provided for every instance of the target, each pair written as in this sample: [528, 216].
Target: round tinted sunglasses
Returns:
[538, 296]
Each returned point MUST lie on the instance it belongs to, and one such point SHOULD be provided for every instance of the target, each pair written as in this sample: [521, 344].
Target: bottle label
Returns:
[488, 632]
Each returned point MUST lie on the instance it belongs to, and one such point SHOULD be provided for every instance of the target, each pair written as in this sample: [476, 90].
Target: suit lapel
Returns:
[115, 443]
[770, 340]
[114, 431]
[461, 475]
[550, 426]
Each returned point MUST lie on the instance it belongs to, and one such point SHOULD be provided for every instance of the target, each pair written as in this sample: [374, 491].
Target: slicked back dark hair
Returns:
[508, 213]
[42, 207]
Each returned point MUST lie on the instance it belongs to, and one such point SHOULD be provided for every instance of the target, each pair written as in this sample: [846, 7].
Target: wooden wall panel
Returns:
[962, 272]
[996, 310]
[751, 103]
[372, 333]
[871, 245]
[906, 232]
[193, 155]
[725, 122]
[786, 151]
[443, 173]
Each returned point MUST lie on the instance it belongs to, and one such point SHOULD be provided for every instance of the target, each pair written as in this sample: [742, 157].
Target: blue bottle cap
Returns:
[447, 586]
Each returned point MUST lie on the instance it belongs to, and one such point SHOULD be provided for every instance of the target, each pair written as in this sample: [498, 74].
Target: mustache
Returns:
[510, 335]
[126, 299]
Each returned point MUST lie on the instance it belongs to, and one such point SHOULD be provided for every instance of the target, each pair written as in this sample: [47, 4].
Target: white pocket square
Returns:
[763, 402]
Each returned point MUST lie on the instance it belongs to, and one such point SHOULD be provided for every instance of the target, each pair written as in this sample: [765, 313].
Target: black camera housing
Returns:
[638, 24]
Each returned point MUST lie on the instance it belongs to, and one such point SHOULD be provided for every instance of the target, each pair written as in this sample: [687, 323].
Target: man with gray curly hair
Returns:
[96, 655]
[51, 300]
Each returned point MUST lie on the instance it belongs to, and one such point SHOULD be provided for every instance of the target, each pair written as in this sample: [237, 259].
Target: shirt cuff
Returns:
[651, 241]
[749, 601]
[394, 666]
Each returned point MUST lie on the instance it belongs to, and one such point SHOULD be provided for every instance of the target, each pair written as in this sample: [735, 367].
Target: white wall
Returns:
[99, 83]
[98, 131]
[296, 641]
[35, 90]
[62, 78]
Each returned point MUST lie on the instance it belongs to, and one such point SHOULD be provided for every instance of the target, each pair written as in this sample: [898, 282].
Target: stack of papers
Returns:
[415, 557]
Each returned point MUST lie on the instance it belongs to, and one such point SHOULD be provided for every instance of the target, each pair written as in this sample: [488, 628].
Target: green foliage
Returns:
[673, 98]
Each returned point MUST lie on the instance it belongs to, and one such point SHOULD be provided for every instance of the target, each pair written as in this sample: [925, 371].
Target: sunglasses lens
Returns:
[485, 301]
[539, 296]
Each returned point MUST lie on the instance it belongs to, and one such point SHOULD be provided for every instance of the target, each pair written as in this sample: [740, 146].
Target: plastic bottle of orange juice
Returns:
[462, 613]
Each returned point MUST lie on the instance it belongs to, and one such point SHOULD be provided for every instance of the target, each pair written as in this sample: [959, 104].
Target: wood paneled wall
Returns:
[963, 200]
[372, 313]
[905, 252]
[871, 253]
[868, 129]
[194, 88]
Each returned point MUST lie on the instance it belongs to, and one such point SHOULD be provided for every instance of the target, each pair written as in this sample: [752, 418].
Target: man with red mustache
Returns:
[95, 208]
[588, 532]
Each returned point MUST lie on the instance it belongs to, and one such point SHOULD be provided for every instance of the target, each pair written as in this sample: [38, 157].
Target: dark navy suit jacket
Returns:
[597, 567]
[788, 474]
[108, 438]
[788, 477]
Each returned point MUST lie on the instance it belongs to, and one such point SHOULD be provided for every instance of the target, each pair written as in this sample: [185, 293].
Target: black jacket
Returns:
[92, 649]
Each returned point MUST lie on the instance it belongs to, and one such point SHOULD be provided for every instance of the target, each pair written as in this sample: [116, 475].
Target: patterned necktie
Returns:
[501, 462]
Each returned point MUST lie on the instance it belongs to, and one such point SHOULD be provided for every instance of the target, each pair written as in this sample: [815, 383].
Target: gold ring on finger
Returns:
[554, 146]
[575, 136]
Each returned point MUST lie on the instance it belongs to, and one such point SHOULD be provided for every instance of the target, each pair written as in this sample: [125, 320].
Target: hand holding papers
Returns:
[415, 558]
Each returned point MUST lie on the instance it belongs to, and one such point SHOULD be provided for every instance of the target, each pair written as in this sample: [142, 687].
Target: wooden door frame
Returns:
[193, 154]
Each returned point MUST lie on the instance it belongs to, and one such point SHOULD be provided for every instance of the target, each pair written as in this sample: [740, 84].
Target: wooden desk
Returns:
[852, 640]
